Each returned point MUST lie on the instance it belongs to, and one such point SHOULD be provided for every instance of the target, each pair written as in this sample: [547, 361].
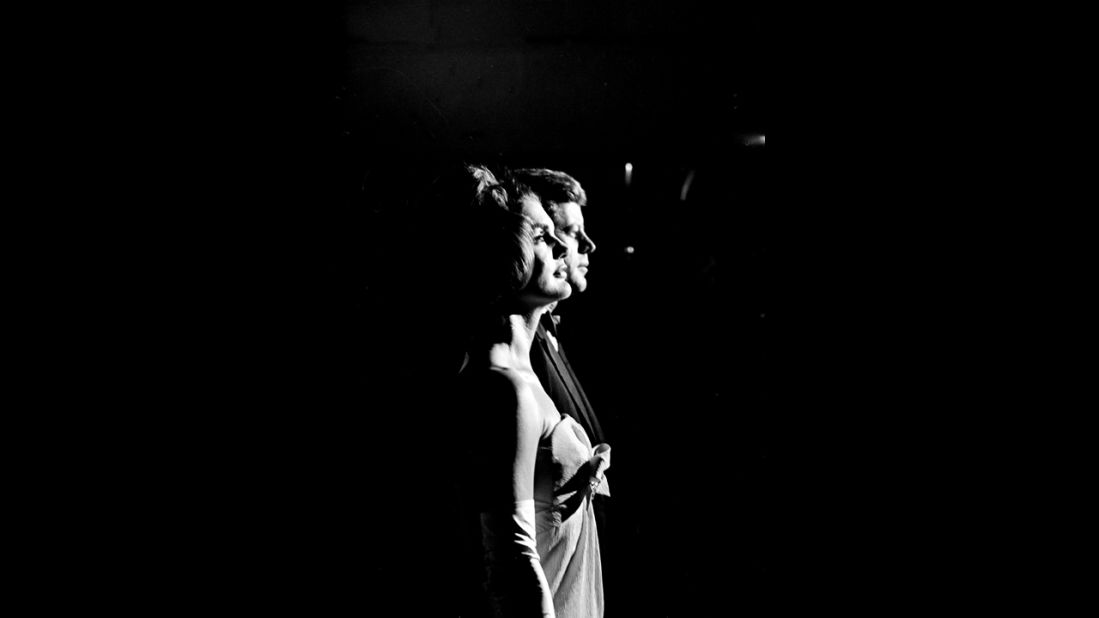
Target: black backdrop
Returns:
[675, 340]
[325, 487]
[265, 431]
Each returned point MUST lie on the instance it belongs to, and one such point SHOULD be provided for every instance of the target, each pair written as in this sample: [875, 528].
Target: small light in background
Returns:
[686, 186]
[629, 249]
[629, 173]
[755, 140]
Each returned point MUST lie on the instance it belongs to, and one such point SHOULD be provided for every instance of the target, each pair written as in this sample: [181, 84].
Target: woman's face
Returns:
[549, 277]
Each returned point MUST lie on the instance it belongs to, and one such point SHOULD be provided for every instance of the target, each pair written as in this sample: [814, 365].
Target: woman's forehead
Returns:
[533, 210]
[568, 213]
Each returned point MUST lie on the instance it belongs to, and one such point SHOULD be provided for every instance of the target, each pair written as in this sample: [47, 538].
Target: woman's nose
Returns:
[559, 249]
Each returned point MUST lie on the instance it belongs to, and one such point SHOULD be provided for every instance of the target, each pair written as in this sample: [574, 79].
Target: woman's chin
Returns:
[566, 289]
[560, 291]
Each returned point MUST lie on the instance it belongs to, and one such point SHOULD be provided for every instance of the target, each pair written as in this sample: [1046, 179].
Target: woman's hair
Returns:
[485, 245]
[505, 246]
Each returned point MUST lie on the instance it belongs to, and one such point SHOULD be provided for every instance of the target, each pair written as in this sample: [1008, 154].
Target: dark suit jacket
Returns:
[557, 377]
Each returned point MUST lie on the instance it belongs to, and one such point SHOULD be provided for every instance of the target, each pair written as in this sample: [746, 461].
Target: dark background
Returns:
[329, 491]
[794, 365]
[675, 340]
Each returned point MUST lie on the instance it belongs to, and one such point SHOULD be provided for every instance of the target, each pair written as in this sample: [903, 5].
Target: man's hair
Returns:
[551, 186]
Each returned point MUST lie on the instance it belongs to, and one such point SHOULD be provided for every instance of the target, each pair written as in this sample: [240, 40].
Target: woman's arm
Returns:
[517, 585]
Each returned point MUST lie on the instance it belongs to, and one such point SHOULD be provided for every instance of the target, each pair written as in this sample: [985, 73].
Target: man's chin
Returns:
[579, 285]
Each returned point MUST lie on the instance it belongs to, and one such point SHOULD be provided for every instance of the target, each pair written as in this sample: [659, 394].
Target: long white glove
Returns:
[517, 586]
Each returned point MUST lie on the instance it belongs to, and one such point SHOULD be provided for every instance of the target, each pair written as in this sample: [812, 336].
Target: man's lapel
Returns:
[564, 372]
[561, 369]
[595, 430]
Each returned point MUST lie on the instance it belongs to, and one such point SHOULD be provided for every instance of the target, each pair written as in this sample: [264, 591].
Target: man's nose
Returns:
[586, 244]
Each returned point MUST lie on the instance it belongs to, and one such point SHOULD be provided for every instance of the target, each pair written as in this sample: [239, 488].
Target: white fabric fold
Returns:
[599, 462]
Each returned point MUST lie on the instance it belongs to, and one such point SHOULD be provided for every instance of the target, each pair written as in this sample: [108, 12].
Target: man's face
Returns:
[569, 221]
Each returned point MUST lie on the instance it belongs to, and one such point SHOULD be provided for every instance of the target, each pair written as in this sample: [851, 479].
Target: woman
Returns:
[534, 469]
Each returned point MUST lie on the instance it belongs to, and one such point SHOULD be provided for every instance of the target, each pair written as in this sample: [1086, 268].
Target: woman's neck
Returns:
[515, 353]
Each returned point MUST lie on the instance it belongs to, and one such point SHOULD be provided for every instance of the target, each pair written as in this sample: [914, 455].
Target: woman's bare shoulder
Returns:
[504, 391]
